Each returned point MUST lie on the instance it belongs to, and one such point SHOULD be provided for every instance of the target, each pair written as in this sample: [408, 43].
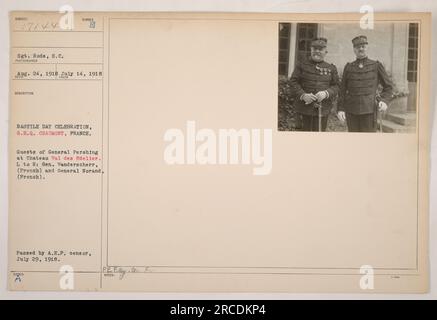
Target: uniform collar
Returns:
[362, 59]
[314, 62]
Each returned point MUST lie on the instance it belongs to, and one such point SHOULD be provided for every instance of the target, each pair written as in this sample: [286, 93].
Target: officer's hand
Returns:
[308, 98]
[321, 95]
[382, 106]
[341, 115]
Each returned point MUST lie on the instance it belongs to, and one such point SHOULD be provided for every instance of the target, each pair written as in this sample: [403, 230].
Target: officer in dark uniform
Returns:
[314, 83]
[358, 102]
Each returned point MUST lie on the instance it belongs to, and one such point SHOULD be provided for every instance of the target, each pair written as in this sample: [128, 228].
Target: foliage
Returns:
[289, 119]
[286, 113]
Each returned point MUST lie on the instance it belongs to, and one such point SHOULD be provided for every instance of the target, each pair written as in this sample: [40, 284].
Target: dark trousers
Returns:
[311, 123]
[360, 122]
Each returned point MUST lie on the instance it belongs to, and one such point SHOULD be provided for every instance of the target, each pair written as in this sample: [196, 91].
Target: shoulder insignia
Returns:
[370, 61]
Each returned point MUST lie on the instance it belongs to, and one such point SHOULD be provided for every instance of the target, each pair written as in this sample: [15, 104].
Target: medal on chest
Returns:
[323, 71]
[361, 65]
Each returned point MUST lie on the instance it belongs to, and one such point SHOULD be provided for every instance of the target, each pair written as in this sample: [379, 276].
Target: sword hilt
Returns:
[317, 105]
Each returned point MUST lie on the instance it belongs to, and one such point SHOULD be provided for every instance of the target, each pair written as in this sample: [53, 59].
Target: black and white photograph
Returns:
[341, 77]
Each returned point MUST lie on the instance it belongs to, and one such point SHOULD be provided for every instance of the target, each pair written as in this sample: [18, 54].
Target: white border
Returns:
[277, 6]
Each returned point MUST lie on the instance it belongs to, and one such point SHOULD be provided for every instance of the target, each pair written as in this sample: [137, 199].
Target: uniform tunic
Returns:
[359, 86]
[311, 77]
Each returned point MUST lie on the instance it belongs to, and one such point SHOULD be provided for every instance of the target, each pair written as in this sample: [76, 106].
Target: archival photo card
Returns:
[219, 152]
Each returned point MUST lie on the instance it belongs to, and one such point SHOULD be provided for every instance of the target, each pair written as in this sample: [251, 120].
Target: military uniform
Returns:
[358, 91]
[311, 77]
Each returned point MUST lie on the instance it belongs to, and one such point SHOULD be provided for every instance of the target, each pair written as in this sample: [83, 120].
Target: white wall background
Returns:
[292, 6]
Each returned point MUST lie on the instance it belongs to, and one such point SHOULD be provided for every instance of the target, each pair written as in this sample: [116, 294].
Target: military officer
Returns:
[314, 83]
[358, 101]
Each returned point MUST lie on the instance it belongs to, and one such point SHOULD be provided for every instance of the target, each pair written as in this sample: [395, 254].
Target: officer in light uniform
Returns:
[314, 82]
[358, 102]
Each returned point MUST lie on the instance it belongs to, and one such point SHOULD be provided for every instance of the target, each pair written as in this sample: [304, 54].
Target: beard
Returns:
[316, 57]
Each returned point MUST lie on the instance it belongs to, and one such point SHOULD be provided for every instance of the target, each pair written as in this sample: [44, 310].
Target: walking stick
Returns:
[380, 120]
[379, 113]
[319, 106]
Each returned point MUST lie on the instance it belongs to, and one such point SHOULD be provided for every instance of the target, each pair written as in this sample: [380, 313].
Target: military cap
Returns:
[319, 42]
[359, 40]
